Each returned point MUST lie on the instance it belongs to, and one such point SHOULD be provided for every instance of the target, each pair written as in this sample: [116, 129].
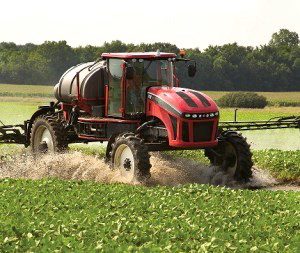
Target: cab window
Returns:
[115, 72]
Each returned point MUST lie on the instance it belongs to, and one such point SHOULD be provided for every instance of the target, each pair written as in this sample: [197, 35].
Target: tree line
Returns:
[271, 67]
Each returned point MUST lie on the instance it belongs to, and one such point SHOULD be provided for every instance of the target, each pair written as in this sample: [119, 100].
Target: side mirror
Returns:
[192, 70]
[129, 72]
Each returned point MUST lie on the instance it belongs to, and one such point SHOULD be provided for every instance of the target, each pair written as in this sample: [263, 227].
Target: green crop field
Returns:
[52, 215]
[15, 90]
[68, 216]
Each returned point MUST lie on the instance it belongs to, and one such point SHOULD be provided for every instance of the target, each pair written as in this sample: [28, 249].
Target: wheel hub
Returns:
[127, 164]
[229, 159]
[43, 147]
[124, 161]
[43, 140]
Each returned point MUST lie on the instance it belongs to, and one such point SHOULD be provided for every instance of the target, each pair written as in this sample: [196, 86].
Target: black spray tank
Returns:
[92, 78]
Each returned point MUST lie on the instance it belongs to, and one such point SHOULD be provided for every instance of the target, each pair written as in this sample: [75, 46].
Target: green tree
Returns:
[284, 38]
[87, 53]
[114, 46]
[272, 67]
[58, 56]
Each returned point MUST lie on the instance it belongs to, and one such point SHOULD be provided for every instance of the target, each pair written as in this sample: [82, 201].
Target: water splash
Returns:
[166, 170]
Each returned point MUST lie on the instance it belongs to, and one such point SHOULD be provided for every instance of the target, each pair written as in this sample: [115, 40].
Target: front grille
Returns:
[185, 131]
[202, 131]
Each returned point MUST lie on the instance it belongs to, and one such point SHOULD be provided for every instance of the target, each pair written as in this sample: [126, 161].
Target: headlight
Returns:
[201, 115]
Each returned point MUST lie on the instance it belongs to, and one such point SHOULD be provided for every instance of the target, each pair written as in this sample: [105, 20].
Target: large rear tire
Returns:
[130, 155]
[48, 135]
[233, 155]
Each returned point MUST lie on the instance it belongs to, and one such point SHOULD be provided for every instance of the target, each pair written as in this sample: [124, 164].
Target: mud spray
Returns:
[166, 170]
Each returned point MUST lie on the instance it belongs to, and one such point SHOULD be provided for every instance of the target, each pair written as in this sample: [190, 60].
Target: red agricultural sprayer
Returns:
[134, 102]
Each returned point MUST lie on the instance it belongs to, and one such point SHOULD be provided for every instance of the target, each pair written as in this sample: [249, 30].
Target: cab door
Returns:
[115, 73]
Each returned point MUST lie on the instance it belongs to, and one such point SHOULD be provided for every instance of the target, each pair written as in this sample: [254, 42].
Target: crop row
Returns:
[50, 215]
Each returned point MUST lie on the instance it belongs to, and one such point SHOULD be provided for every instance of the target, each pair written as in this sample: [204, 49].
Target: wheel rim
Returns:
[124, 161]
[230, 159]
[43, 141]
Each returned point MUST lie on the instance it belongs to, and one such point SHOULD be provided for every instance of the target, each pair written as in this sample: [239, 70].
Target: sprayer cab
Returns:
[130, 75]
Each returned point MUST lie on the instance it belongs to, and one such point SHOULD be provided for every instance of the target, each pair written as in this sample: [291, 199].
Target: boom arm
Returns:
[12, 134]
[274, 123]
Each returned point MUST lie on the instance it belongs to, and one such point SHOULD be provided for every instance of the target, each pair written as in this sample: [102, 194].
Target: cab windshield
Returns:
[155, 72]
[146, 73]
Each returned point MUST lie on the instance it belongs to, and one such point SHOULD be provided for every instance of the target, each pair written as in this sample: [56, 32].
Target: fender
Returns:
[164, 116]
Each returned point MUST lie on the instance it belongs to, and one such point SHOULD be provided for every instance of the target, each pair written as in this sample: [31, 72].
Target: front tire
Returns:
[233, 155]
[130, 155]
[48, 135]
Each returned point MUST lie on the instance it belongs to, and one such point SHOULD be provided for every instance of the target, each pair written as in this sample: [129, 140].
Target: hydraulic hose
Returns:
[144, 125]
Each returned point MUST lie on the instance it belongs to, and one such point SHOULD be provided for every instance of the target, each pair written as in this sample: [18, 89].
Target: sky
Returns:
[188, 24]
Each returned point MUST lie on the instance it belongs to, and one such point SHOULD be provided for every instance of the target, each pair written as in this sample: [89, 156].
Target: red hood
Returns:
[184, 100]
